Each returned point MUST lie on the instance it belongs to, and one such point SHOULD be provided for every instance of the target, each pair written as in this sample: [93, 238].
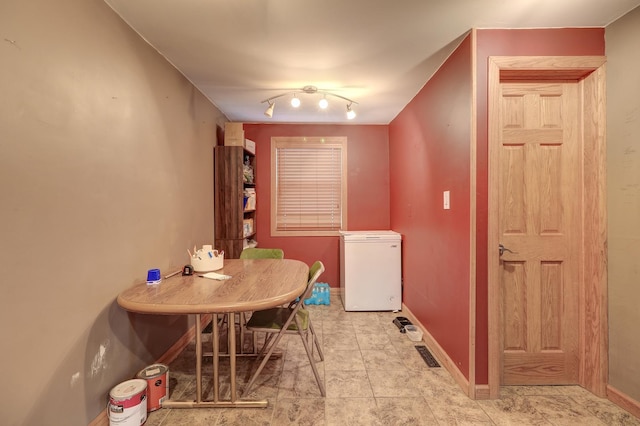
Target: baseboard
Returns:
[482, 392]
[170, 355]
[623, 400]
[441, 355]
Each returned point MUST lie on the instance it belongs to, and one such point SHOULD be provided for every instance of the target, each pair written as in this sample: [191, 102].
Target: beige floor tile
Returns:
[411, 358]
[605, 411]
[337, 327]
[515, 410]
[343, 360]
[344, 384]
[244, 416]
[401, 383]
[457, 410]
[186, 417]
[155, 418]
[341, 341]
[179, 382]
[299, 411]
[563, 411]
[405, 411]
[351, 412]
[300, 382]
[365, 320]
[266, 384]
[384, 360]
[374, 341]
[436, 385]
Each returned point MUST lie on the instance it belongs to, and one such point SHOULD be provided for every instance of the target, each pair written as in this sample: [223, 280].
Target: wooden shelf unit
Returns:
[229, 186]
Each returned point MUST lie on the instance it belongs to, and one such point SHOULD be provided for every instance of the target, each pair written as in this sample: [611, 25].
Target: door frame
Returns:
[593, 329]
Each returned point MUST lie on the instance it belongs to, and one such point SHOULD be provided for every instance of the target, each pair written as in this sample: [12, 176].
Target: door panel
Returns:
[539, 204]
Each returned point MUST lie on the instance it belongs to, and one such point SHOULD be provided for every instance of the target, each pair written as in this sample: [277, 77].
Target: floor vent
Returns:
[426, 355]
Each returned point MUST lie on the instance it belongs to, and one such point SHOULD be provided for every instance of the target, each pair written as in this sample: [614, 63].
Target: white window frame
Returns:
[297, 143]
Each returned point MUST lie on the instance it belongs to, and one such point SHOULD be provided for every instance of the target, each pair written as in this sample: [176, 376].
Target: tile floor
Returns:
[374, 376]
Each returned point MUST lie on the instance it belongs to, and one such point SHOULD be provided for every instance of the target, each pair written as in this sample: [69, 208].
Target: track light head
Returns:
[269, 110]
[324, 103]
[351, 114]
[295, 102]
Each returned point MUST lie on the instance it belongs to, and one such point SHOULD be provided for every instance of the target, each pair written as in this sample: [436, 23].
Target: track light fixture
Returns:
[310, 90]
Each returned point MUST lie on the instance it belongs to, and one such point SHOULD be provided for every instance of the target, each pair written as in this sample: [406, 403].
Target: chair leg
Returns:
[315, 341]
[267, 339]
[310, 356]
[265, 359]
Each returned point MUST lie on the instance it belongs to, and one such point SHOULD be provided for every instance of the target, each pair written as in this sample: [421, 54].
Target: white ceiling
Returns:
[378, 53]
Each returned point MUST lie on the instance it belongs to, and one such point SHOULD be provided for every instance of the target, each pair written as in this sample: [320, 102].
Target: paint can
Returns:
[128, 403]
[157, 377]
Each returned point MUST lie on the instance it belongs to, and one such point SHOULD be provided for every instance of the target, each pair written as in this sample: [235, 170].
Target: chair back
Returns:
[262, 253]
[314, 273]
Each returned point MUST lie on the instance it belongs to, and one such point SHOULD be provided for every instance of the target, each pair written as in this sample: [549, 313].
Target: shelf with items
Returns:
[249, 199]
[235, 192]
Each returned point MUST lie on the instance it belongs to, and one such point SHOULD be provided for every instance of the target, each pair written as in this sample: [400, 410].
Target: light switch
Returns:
[445, 199]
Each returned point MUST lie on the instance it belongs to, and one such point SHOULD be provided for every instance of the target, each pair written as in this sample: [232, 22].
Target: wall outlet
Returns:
[446, 201]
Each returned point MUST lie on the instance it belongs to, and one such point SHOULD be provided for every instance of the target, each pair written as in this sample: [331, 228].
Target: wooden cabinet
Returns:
[234, 186]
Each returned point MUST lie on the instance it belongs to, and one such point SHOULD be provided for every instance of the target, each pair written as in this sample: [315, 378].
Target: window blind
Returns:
[309, 188]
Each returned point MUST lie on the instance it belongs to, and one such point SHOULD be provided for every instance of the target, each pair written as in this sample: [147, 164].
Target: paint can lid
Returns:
[152, 371]
[128, 389]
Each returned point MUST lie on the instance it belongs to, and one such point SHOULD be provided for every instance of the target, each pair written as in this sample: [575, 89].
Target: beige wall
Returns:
[106, 171]
[623, 187]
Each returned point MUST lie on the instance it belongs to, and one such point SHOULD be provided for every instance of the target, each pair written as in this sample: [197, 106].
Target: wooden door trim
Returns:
[590, 70]
[473, 172]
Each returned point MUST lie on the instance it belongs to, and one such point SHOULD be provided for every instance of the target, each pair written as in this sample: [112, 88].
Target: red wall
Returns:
[430, 153]
[542, 42]
[367, 196]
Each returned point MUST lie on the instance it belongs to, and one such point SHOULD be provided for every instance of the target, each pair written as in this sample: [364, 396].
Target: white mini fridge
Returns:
[370, 270]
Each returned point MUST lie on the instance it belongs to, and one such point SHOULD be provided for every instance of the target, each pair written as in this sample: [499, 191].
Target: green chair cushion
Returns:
[274, 319]
[262, 253]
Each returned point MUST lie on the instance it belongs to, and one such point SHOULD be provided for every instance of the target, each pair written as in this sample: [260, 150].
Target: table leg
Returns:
[232, 353]
[216, 358]
[216, 403]
[198, 359]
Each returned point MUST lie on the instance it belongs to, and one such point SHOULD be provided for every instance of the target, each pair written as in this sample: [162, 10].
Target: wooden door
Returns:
[547, 299]
[540, 199]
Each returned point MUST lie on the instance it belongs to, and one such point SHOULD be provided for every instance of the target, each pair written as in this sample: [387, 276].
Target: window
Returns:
[308, 185]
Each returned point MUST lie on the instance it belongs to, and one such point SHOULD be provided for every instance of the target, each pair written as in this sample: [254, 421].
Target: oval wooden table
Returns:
[255, 284]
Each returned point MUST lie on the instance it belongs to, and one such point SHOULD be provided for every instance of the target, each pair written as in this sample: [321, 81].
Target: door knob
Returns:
[502, 249]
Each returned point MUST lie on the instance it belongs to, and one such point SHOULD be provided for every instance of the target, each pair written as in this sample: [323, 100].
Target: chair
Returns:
[256, 253]
[261, 253]
[292, 319]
